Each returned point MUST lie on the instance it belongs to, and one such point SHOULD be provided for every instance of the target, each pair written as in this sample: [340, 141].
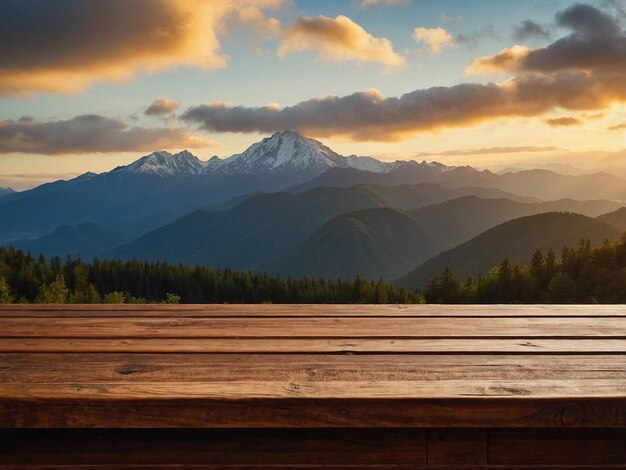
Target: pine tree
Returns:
[53, 293]
[6, 297]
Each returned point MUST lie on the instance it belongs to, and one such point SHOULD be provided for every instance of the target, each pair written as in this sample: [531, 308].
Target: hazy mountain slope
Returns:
[6, 191]
[543, 184]
[268, 225]
[616, 218]
[517, 240]
[458, 220]
[372, 243]
[160, 187]
[86, 240]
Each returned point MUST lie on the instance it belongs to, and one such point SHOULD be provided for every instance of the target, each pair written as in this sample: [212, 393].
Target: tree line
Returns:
[24, 278]
[579, 275]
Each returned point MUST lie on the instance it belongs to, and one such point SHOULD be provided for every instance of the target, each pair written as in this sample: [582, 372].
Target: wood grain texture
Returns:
[301, 386]
[315, 345]
[298, 327]
[306, 310]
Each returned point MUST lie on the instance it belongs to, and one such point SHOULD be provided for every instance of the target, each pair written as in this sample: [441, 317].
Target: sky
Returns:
[87, 86]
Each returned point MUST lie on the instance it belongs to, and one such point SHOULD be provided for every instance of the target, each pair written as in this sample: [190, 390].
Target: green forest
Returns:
[24, 278]
[577, 275]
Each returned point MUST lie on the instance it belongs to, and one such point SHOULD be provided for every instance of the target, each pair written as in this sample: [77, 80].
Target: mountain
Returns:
[538, 184]
[388, 174]
[161, 187]
[458, 220]
[266, 226]
[516, 240]
[373, 243]
[543, 184]
[285, 151]
[616, 218]
[6, 191]
[86, 240]
[164, 164]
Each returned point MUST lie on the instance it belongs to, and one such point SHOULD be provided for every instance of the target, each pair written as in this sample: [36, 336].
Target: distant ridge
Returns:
[373, 243]
[516, 240]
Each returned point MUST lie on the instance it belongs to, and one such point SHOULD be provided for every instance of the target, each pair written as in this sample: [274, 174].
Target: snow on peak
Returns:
[286, 150]
[282, 151]
[163, 163]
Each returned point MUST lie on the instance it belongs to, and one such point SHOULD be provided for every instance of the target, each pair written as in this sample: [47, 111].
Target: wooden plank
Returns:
[457, 447]
[332, 390]
[249, 447]
[563, 447]
[318, 310]
[72, 407]
[311, 346]
[409, 373]
[313, 327]
[309, 448]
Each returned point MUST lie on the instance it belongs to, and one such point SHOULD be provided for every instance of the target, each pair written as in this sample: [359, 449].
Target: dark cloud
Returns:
[162, 107]
[563, 122]
[89, 133]
[370, 116]
[529, 29]
[596, 42]
[472, 38]
[66, 45]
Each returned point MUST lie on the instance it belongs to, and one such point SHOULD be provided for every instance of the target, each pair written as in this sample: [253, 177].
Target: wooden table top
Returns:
[312, 366]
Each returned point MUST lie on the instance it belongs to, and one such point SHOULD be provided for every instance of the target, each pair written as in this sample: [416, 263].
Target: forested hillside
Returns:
[24, 278]
[578, 275]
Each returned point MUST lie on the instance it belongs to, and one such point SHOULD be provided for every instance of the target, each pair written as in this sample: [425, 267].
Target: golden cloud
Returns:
[369, 116]
[564, 122]
[338, 39]
[435, 38]
[90, 133]
[162, 107]
[67, 45]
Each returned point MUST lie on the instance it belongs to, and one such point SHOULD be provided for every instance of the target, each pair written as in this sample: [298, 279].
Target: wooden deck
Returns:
[312, 386]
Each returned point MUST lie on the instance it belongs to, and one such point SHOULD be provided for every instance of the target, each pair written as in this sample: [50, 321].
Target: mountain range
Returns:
[291, 206]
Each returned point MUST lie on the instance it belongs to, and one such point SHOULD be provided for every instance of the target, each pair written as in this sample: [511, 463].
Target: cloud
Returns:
[563, 122]
[529, 29]
[364, 4]
[596, 42]
[338, 39]
[472, 38]
[161, 107]
[435, 38]
[64, 46]
[583, 81]
[90, 133]
[618, 127]
[369, 116]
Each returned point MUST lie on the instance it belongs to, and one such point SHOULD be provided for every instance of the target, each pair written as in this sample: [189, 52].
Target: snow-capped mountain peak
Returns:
[283, 153]
[286, 150]
[163, 164]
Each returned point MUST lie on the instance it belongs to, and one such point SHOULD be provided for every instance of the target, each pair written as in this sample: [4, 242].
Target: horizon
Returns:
[559, 168]
[491, 85]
